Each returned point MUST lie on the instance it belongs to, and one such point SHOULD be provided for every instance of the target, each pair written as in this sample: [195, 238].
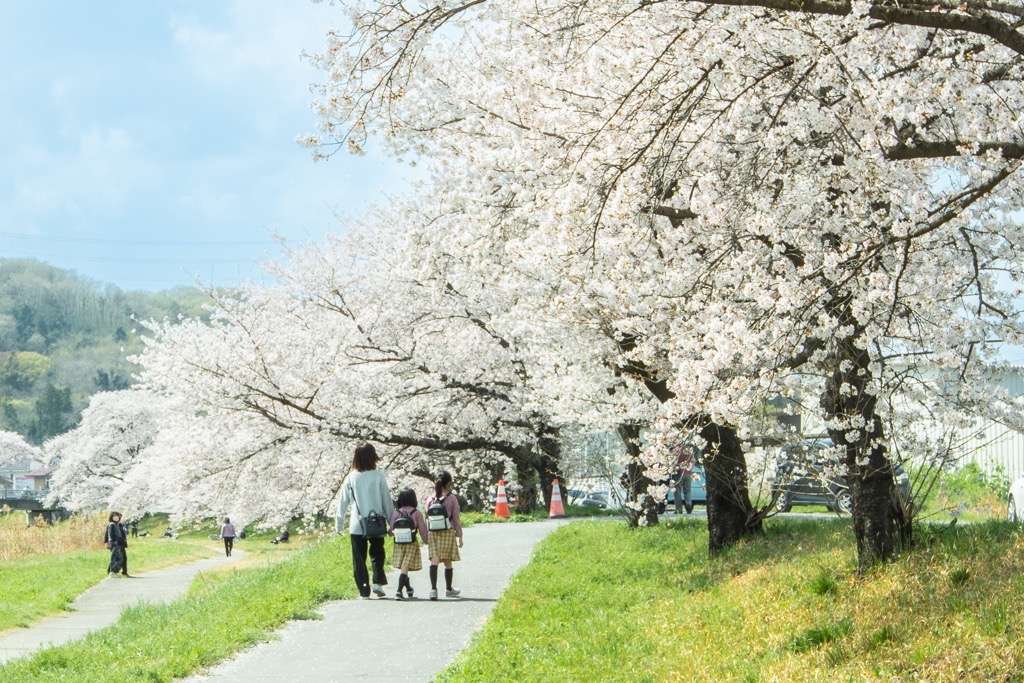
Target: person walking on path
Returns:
[227, 532]
[366, 489]
[684, 478]
[405, 522]
[445, 525]
[117, 542]
[356, 641]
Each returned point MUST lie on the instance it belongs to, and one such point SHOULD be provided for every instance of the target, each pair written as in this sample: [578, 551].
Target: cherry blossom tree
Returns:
[763, 198]
[94, 459]
[14, 448]
[356, 343]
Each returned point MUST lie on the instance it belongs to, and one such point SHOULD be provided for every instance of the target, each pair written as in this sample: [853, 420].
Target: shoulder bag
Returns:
[374, 525]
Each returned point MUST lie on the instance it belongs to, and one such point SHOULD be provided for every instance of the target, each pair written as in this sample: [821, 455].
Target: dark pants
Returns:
[360, 544]
[229, 541]
[118, 561]
[683, 489]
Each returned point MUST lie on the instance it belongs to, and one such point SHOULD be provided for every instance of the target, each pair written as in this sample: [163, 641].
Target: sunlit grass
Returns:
[41, 585]
[601, 602]
[19, 539]
[47, 567]
[217, 619]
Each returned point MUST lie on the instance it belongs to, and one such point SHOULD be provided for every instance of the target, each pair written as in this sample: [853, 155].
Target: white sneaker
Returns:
[433, 595]
[453, 593]
[377, 590]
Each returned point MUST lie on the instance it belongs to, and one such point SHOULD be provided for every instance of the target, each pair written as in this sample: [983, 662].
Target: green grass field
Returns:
[41, 585]
[601, 602]
[46, 583]
[218, 618]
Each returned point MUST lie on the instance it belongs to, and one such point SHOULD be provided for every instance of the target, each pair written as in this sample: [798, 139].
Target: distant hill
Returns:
[64, 337]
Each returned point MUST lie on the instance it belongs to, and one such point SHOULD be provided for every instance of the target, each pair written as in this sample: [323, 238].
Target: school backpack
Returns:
[404, 528]
[437, 516]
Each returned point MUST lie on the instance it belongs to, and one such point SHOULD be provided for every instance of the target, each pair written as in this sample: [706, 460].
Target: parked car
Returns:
[804, 476]
[1015, 501]
[698, 488]
[598, 499]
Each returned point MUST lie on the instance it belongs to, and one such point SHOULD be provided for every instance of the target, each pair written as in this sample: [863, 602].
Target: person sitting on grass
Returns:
[283, 538]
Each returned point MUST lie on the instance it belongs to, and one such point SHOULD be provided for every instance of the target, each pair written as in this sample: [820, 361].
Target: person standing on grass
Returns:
[117, 542]
[227, 532]
[366, 489]
[407, 556]
[445, 537]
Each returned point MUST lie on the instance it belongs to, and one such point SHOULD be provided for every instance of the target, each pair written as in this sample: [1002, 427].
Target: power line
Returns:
[145, 243]
[123, 259]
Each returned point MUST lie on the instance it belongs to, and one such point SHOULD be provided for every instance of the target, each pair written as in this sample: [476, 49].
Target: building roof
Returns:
[18, 466]
[43, 472]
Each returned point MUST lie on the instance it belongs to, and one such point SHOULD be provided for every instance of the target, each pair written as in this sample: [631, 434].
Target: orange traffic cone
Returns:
[501, 504]
[556, 500]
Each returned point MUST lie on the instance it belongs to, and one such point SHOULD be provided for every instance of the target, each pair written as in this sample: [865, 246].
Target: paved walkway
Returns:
[101, 605]
[361, 640]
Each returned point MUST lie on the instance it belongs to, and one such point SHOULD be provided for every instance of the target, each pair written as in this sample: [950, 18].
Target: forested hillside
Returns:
[64, 337]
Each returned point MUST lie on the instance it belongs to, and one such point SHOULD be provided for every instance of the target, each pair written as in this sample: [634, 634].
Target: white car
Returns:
[1015, 502]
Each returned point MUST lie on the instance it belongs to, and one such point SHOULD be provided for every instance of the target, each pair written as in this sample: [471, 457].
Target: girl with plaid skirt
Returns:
[444, 544]
[407, 557]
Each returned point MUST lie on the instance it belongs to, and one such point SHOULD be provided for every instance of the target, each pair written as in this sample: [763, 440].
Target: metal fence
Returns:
[23, 494]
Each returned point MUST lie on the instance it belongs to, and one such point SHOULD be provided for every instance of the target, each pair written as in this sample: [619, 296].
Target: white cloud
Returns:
[261, 39]
[95, 173]
[177, 125]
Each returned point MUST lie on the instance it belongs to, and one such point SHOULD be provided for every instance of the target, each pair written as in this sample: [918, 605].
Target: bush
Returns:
[972, 483]
[969, 491]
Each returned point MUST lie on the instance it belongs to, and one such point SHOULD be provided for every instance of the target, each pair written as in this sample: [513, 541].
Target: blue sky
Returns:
[147, 144]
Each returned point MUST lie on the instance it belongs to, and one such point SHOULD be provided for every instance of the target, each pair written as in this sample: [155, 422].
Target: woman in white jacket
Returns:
[366, 489]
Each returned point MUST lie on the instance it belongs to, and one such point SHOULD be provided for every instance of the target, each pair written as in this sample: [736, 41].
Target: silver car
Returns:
[1015, 501]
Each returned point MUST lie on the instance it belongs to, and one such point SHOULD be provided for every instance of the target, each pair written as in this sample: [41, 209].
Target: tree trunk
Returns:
[881, 522]
[549, 465]
[730, 513]
[640, 506]
[528, 477]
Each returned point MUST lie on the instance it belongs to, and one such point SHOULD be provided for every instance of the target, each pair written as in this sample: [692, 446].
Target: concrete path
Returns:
[360, 640]
[101, 605]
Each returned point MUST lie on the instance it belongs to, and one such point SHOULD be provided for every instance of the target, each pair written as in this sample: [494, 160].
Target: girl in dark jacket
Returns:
[117, 542]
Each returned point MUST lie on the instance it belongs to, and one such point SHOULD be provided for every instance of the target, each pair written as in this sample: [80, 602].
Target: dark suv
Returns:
[804, 476]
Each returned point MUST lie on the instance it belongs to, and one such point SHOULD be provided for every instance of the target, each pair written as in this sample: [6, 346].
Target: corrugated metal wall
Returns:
[994, 446]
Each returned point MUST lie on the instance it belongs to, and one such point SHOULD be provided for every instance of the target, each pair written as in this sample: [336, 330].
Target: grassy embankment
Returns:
[219, 617]
[600, 602]
[44, 568]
